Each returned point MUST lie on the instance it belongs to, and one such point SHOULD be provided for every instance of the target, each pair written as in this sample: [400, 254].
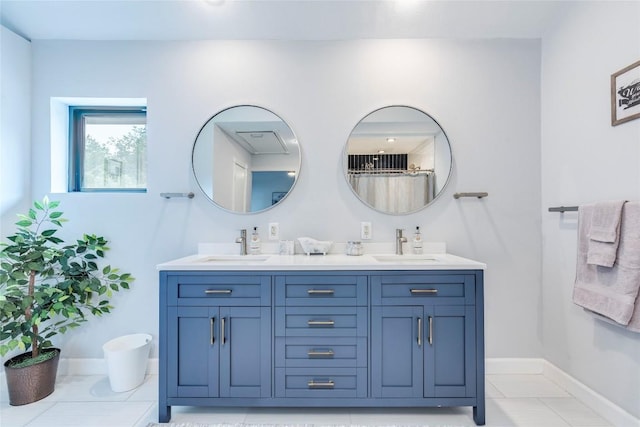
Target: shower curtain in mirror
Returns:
[394, 193]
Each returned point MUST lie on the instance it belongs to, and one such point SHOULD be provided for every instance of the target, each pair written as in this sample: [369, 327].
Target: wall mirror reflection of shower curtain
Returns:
[392, 158]
[395, 193]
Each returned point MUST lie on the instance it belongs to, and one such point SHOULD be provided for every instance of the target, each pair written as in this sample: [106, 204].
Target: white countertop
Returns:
[268, 262]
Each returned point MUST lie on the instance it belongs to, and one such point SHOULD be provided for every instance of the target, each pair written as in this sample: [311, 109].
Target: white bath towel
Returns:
[610, 291]
[604, 232]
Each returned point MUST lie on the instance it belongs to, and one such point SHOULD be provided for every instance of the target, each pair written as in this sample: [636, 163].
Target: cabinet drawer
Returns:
[420, 288]
[321, 352]
[321, 382]
[321, 321]
[334, 290]
[225, 289]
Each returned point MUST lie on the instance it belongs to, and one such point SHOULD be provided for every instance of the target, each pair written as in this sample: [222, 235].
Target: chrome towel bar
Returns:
[563, 209]
[478, 195]
[189, 195]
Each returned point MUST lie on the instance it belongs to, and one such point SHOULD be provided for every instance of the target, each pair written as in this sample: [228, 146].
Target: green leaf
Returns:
[24, 223]
[34, 266]
[49, 233]
[54, 204]
[38, 205]
[55, 215]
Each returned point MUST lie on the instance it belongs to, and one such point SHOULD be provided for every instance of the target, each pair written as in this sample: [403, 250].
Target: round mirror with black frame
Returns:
[397, 160]
[246, 159]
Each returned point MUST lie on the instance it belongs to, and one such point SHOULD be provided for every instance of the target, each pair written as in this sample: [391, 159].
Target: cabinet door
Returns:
[245, 351]
[192, 351]
[397, 351]
[449, 351]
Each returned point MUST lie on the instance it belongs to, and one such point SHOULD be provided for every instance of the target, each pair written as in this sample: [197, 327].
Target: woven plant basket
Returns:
[31, 383]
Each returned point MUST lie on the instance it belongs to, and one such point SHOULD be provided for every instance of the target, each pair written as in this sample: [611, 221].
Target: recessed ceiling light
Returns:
[380, 151]
[391, 140]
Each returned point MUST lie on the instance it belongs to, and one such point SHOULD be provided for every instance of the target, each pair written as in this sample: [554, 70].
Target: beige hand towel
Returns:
[604, 231]
[610, 291]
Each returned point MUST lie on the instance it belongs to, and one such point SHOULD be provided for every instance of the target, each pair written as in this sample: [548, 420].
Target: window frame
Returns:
[77, 144]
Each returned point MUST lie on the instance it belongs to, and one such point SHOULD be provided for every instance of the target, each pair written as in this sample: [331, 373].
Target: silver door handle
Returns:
[321, 291]
[430, 330]
[419, 331]
[423, 291]
[211, 322]
[321, 384]
[321, 323]
[222, 337]
[217, 291]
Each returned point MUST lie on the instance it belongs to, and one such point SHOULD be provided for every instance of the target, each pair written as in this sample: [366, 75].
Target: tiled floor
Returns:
[87, 401]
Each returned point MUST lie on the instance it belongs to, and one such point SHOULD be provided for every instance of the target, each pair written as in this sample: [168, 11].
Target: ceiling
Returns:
[276, 19]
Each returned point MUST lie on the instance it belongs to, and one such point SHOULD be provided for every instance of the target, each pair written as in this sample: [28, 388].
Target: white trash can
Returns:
[127, 358]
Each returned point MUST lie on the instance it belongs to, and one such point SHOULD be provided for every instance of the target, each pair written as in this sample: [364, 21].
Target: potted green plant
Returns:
[47, 287]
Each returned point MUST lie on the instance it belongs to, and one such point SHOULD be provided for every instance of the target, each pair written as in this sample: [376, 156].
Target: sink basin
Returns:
[414, 259]
[233, 258]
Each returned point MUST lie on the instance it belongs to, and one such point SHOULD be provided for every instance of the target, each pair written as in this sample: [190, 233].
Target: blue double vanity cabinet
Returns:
[329, 331]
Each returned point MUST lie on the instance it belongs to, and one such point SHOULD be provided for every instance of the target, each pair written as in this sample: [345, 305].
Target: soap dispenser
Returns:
[254, 243]
[417, 241]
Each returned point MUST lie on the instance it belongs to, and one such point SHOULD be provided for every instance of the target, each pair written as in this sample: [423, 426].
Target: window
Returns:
[108, 149]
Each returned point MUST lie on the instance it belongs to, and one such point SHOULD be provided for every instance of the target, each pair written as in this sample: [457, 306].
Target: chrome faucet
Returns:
[243, 241]
[399, 241]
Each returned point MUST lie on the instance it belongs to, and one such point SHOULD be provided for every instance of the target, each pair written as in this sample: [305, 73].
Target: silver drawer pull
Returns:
[321, 291]
[321, 384]
[423, 291]
[320, 353]
[217, 291]
[321, 323]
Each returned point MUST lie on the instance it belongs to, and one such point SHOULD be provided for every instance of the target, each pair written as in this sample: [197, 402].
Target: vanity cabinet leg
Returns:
[478, 415]
[164, 413]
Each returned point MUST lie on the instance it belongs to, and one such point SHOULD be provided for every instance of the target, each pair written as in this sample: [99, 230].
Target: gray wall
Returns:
[585, 160]
[322, 89]
[15, 127]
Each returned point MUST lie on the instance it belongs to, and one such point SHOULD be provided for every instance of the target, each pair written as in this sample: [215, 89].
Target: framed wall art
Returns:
[625, 94]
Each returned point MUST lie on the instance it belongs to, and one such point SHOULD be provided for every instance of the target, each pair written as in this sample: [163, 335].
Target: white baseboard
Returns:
[594, 400]
[514, 365]
[601, 405]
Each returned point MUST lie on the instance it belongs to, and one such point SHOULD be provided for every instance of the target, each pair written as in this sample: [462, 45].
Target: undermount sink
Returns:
[405, 258]
[233, 258]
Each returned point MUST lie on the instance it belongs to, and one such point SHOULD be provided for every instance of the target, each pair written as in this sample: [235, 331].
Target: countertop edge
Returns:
[321, 263]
